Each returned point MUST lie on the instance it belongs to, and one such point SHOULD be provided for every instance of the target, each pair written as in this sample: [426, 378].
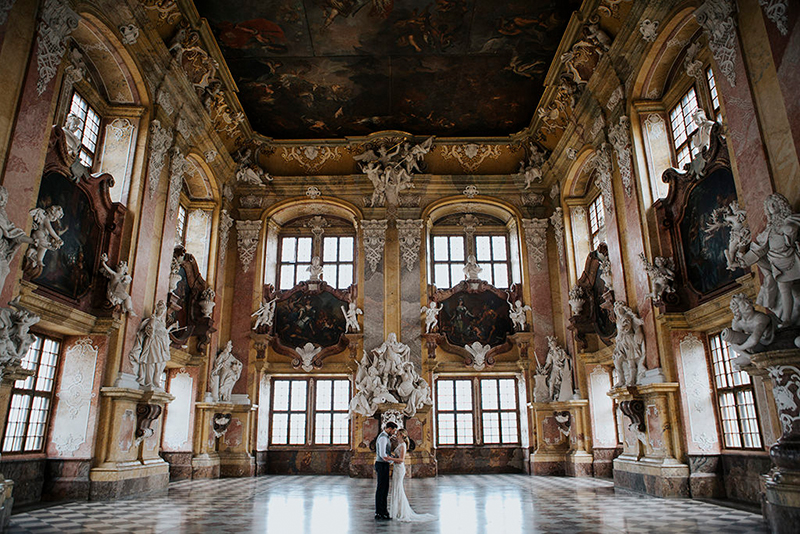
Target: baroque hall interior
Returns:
[556, 241]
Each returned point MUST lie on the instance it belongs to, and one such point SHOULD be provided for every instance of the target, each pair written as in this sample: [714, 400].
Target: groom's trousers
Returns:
[382, 493]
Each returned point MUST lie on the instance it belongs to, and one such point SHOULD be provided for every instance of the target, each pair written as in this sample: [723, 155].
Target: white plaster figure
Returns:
[478, 352]
[206, 302]
[472, 270]
[558, 372]
[576, 300]
[15, 338]
[517, 314]
[629, 351]
[307, 354]
[750, 329]
[431, 316]
[43, 234]
[351, 316]
[315, 269]
[72, 133]
[118, 282]
[174, 274]
[248, 171]
[150, 352]
[226, 372]
[662, 276]
[541, 391]
[265, 314]
[11, 238]
[735, 218]
[391, 170]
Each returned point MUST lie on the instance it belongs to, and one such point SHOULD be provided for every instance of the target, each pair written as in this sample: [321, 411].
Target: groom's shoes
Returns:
[383, 517]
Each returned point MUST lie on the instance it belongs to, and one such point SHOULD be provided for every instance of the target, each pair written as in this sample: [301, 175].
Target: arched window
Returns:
[195, 213]
[587, 211]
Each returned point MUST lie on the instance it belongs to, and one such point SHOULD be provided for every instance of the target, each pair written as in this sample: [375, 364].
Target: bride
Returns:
[399, 508]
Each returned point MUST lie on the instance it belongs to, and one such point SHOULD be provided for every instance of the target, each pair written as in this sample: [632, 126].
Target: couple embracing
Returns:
[398, 507]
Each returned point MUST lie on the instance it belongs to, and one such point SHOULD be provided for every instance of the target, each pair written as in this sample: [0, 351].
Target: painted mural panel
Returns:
[469, 317]
[310, 318]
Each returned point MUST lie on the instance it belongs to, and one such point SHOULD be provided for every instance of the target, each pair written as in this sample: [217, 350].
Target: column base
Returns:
[548, 463]
[205, 466]
[602, 462]
[782, 501]
[579, 464]
[180, 465]
[652, 476]
[236, 464]
[109, 482]
[705, 480]
[362, 465]
[66, 480]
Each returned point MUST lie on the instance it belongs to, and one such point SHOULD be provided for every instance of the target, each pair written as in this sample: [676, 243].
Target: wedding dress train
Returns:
[399, 508]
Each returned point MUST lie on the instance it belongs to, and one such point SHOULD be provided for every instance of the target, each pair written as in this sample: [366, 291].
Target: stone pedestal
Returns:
[224, 441]
[648, 461]
[782, 495]
[560, 447]
[129, 462]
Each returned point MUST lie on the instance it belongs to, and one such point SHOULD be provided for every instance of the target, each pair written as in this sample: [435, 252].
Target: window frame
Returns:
[310, 413]
[488, 273]
[477, 412]
[734, 389]
[597, 205]
[302, 233]
[99, 139]
[32, 393]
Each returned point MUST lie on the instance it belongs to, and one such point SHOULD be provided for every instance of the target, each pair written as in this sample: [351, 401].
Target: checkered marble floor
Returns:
[463, 504]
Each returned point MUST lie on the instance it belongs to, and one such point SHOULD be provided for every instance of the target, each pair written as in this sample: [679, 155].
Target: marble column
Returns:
[410, 240]
[374, 240]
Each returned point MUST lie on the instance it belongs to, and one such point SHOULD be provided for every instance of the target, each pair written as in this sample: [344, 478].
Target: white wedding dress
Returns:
[399, 508]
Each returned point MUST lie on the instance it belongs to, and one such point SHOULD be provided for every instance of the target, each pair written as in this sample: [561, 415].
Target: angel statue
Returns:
[517, 314]
[264, 314]
[11, 238]
[150, 352]
[351, 317]
[118, 282]
[662, 275]
[431, 316]
[44, 235]
[629, 351]
[735, 218]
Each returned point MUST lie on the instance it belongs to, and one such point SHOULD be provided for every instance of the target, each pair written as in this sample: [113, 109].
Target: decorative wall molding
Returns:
[536, 239]
[471, 191]
[578, 213]
[786, 390]
[649, 30]
[160, 141]
[557, 220]
[311, 158]
[409, 234]
[716, 18]
[178, 167]
[164, 100]
[130, 34]
[313, 192]
[57, 21]
[471, 155]
[247, 233]
[75, 394]
[210, 155]
[656, 127]
[225, 224]
[620, 138]
[702, 418]
[120, 129]
[776, 12]
[615, 98]
[374, 241]
[603, 167]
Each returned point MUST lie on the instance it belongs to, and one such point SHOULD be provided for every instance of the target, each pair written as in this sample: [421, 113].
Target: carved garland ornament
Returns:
[160, 141]
[247, 237]
[620, 138]
[470, 156]
[716, 18]
[56, 23]
[225, 224]
[536, 239]
[410, 238]
[374, 241]
[178, 167]
[311, 158]
[557, 220]
[602, 164]
[776, 12]
[786, 378]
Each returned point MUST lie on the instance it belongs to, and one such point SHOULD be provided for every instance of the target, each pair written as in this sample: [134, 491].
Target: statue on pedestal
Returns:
[150, 352]
[351, 316]
[558, 372]
[226, 372]
[629, 352]
[750, 329]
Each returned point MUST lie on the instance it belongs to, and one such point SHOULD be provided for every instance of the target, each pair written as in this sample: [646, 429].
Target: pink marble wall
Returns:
[233, 437]
[240, 319]
[541, 302]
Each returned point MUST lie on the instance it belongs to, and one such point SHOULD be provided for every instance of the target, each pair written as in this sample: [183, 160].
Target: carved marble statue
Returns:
[15, 338]
[11, 238]
[206, 302]
[662, 276]
[390, 169]
[541, 391]
[735, 218]
[478, 351]
[307, 354]
[265, 314]
[175, 273]
[72, 133]
[750, 329]
[248, 171]
[44, 236]
[150, 352]
[605, 271]
[558, 372]
[386, 374]
[472, 270]
[517, 314]
[351, 316]
[226, 372]
[775, 251]
[431, 316]
[702, 137]
[629, 351]
[118, 282]
[577, 298]
[315, 269]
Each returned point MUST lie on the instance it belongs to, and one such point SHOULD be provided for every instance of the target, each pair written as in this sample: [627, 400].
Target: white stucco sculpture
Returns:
[265, 314]
[517, 313]
[15, 337]
[701, 139]
[307, 353]
[750, 329]
[431, 316]
[174, 274]
[315, 269]
[558, 372]
[577, 298]
[206, 302]
[43, 234]
[386, 374]
[391, 169]
[118, 282]
[226, 372]
[472, 270]
[248, 171]
[72, 133]
[150, 352]
[735, 218]
[662, 276]
[629, 351]
[11, 238]
[351, 314]
[478, 351]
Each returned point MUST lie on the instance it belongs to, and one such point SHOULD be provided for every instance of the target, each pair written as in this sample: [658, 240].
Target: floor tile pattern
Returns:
[463, 504]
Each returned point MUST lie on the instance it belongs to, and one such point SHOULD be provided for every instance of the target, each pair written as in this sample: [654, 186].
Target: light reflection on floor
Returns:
[462, 504]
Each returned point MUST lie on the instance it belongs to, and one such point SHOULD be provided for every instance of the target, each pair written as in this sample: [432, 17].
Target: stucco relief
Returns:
[75, 395]
[176, 430]
[698, 395]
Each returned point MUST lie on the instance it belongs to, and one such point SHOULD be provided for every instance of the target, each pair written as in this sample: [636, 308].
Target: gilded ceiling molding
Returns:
[620, 138]
[557, 220]
[716, 17]
[471, 191]
[471, 155]
[776, 12]
[313, 192]
[610, 8]
[225, 224]
[56, 22]
[374, 241]
[536, 239]
[409, 234]
[247, 239]
[310, 157]
[160, 141]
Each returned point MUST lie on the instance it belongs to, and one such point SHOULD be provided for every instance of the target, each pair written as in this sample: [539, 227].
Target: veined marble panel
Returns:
[700, 405]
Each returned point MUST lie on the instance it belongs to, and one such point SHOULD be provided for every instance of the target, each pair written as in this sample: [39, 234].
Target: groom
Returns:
[382, 461]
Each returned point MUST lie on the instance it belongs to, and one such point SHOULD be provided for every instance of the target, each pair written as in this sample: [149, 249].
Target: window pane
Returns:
[499, 247]
[508, 394]
[447, 429]
[287, 277]
[304, 249]
[330, 249]
[298, 395]
[486, 272]
[297, 429]
[322, 429]
[509, 426]
[280, 423]
[289, 249]
[301, 271]
[329, 274]
[464, 429]
[341, 427]
[500, 275]
[444, 395]
[280, 400]
[324, 394]
[456, 273]
[491, 427]
[341, 394]
[457, 248]
[483, 248]
[345, 275]
[489, 394]
[463, 395]
[441, 275]
[15, 427]
[36, 423]
[346, 248]
[440, 252]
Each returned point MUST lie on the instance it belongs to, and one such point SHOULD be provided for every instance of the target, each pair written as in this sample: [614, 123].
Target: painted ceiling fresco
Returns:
[333, 68]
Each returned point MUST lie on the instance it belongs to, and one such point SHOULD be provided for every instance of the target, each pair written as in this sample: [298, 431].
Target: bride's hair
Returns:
[403, 433]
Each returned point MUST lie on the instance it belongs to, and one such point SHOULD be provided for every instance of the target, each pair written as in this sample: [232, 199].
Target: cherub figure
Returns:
[118, 282]
[735, 218]
[351, 317]
[750, 328]
[431, 316]
[517, 314]
[44, 235]
[662, 276]
[11, 238]
[265, 314]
